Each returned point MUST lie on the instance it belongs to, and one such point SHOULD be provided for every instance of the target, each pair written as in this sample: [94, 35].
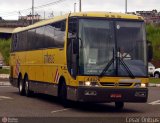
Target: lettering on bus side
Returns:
[48, 59]
[93, 79]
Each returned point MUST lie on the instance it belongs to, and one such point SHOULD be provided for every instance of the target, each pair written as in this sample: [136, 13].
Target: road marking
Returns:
[157, 102]
[4, 97]
[4, 86]
[59, 110]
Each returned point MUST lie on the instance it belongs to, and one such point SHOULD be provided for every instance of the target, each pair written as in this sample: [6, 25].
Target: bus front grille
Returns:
[113, 84]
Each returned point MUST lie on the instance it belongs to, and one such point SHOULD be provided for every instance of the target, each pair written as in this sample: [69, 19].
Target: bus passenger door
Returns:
[73, 57]
[72, 47]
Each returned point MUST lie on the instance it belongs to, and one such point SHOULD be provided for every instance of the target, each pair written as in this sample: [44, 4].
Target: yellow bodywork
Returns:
[47, 65]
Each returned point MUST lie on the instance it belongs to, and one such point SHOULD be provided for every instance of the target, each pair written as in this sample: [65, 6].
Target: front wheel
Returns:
[63, 95]
[119, 105]
[27, 87]
[21, 86]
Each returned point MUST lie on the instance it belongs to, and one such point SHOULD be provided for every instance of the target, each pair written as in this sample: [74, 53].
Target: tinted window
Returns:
[14, 42]
[22, 42]
[51, 35]
[40, 38]
[59, 34]
[31, 39]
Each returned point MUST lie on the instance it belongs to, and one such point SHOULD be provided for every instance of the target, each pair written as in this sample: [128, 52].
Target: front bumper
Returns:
[95, 94]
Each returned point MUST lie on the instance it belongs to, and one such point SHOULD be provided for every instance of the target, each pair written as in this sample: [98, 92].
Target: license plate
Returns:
[116, 95]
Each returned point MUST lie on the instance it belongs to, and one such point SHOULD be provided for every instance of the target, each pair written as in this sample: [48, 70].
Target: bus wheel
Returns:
[21, 86]
[63, 94]
[119, 105]
[156, 75]
[27, 90]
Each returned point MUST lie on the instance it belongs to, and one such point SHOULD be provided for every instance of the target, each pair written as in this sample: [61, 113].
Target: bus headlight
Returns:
[137, 85]
[143, 85]
[89, 83]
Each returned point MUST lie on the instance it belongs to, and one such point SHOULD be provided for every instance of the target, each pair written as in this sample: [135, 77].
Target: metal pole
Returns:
[79, 5]
[44, 15]
[74, 7]
[125, 6]
[32, 11]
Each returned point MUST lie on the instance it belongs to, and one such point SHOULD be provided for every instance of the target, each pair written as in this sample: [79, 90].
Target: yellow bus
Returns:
[86, 57]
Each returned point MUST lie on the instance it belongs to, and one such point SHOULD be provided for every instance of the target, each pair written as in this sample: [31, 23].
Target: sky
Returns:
[11, 9]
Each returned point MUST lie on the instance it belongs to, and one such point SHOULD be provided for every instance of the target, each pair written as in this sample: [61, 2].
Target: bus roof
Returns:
[79, 14]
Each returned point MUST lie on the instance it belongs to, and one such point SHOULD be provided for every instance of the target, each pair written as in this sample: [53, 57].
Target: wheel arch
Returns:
[156, 72]
[61, 80]
[25, 75]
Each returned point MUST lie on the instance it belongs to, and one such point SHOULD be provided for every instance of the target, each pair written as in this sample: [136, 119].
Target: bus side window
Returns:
[15, 42]
[63, 26]
[59, 33]
[31, 39]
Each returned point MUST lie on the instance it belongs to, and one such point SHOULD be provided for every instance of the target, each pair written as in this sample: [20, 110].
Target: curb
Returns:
[153, 85]
[4, 76]
[5, 84]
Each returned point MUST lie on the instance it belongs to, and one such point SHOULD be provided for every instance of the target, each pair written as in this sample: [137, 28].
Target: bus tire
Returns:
[27, 88]
[63, 94]
[119, 105]
[21, 86]
[157, 75]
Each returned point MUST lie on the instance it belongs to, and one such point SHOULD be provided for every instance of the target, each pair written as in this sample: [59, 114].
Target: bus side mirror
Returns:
[75, 45]
[149, 51]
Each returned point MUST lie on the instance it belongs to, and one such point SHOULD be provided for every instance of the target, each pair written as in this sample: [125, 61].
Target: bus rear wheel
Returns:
[119, 105]
[21, 86]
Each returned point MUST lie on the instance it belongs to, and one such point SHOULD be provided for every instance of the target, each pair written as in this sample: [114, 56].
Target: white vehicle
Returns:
[151, 69]
[157, 73]
[1, 64]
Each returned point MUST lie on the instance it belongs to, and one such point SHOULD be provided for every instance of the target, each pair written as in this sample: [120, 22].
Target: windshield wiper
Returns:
[118, 60]
[107, 66]
[127, 68]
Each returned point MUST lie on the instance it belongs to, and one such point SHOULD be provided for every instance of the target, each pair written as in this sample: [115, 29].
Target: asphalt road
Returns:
[14, 105]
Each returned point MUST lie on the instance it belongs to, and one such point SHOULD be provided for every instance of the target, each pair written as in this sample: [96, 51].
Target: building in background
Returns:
[29, 17]
[150, 16]
[7, 26]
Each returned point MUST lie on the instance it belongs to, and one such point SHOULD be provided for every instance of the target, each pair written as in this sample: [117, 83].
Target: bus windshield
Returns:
[119, 45]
